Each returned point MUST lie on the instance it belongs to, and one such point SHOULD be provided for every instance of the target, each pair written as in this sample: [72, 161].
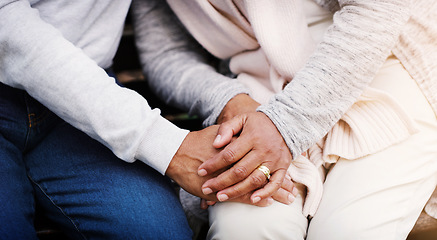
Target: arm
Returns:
[37, 58]
[197, 148]
[343, 65]
[352, 51]
[176, 66]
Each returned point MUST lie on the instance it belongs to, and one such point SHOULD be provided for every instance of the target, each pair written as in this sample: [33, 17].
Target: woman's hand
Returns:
[286, 195]
[241, 103]
[259, 143]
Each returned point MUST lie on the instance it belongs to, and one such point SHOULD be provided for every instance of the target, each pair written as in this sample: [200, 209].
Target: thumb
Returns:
[227, 130]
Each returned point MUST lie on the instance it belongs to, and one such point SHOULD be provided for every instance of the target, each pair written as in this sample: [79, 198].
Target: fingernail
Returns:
[217, 139]
[201, 172]
[294, 191]
[206, 191]
[222, 197]
[256, 199]
[291, 198]
[269, 201]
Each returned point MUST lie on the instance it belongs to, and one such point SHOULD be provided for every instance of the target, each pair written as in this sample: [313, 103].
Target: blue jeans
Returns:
[78, 182]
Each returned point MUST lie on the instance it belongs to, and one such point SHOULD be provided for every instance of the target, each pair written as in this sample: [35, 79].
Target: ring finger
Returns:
[255, 180]
[237, 173]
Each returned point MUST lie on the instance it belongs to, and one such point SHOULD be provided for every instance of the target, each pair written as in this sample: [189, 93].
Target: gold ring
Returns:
[264, 170]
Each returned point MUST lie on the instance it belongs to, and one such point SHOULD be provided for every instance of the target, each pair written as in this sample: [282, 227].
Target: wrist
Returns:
[239, 104]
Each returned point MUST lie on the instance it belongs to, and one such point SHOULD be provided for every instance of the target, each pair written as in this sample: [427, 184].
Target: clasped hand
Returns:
[245, 140]
[196, 149]
[235, 167]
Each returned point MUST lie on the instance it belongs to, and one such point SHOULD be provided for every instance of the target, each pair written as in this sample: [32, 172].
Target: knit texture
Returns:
[176, 66]
[327, 103]
[56, 51]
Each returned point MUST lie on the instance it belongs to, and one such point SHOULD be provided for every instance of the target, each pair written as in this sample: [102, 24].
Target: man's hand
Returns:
[259, 143]
[195, 149]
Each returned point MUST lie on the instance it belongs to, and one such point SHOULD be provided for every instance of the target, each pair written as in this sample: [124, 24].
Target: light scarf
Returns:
[262, 56]
[266, 58]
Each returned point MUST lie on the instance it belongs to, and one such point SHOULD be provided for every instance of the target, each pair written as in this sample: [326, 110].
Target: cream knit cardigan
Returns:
[327, 96]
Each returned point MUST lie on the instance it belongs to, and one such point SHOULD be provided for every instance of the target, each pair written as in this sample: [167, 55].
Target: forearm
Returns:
[35, 57]
[352, 51]
[176, 66]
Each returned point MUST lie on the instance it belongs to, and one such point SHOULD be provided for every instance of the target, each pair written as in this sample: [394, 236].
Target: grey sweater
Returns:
[322, 91]
[174, 63]
[363, 35]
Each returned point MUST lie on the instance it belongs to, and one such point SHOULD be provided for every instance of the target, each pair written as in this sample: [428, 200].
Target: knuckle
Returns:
[228, 156]
[236, 191]
[216, 184]
[287, 185]
[220, 184]
[240, 172]
[215, 187]
[276, 184]
[223, 127]
[257, 180]
[269, 151]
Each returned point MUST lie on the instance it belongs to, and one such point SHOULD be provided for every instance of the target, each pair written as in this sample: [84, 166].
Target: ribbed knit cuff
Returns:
[160, 144]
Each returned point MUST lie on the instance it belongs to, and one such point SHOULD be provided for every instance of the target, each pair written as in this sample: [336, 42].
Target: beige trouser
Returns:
[375, 197]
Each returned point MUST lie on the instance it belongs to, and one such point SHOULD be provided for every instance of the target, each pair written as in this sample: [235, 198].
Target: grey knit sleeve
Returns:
[344, 63]
[176, 66]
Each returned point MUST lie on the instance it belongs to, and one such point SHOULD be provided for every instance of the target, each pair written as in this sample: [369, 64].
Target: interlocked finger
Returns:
[240, 171]
[265, 170]
[271, 187]
[257, 179]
